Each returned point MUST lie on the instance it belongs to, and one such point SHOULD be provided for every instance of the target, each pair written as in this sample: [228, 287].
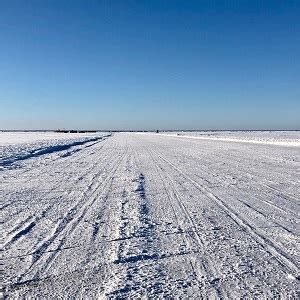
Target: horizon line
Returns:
[148, 130]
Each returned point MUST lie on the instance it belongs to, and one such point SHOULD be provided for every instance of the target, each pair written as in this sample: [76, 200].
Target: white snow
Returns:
[17, 146]
[280, 138]
[19, 137]
[149, 216]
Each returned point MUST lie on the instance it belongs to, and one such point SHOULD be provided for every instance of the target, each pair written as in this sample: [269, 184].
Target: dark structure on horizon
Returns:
[75, 131]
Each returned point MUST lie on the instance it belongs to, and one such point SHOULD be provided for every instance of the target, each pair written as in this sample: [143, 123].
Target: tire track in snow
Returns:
[134, 220]
[70, 221]
[57, 185]
[243, 168]
[284, 210]
[106, 191]
[259, 205]
[269, 245]
[162, 272]
[259, 209]
[207, 267]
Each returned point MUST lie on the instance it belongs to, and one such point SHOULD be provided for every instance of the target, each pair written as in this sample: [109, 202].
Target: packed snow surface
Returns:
[148, 215]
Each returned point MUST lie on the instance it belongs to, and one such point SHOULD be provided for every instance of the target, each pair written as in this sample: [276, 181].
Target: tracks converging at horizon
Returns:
[135, 215]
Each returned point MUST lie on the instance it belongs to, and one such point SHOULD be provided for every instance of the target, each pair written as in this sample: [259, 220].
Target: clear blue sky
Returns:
[150, 64]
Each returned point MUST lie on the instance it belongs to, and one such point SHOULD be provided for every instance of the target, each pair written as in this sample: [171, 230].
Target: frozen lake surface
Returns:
[187, 215]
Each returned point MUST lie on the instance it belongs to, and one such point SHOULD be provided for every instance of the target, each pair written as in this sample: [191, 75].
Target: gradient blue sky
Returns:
[150, 64]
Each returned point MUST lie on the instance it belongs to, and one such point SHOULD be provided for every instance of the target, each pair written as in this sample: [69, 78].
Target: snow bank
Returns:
[18, 146]
[279, 138]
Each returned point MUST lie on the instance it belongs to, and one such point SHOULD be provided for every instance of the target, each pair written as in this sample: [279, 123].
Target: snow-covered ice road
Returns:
[138, 215]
